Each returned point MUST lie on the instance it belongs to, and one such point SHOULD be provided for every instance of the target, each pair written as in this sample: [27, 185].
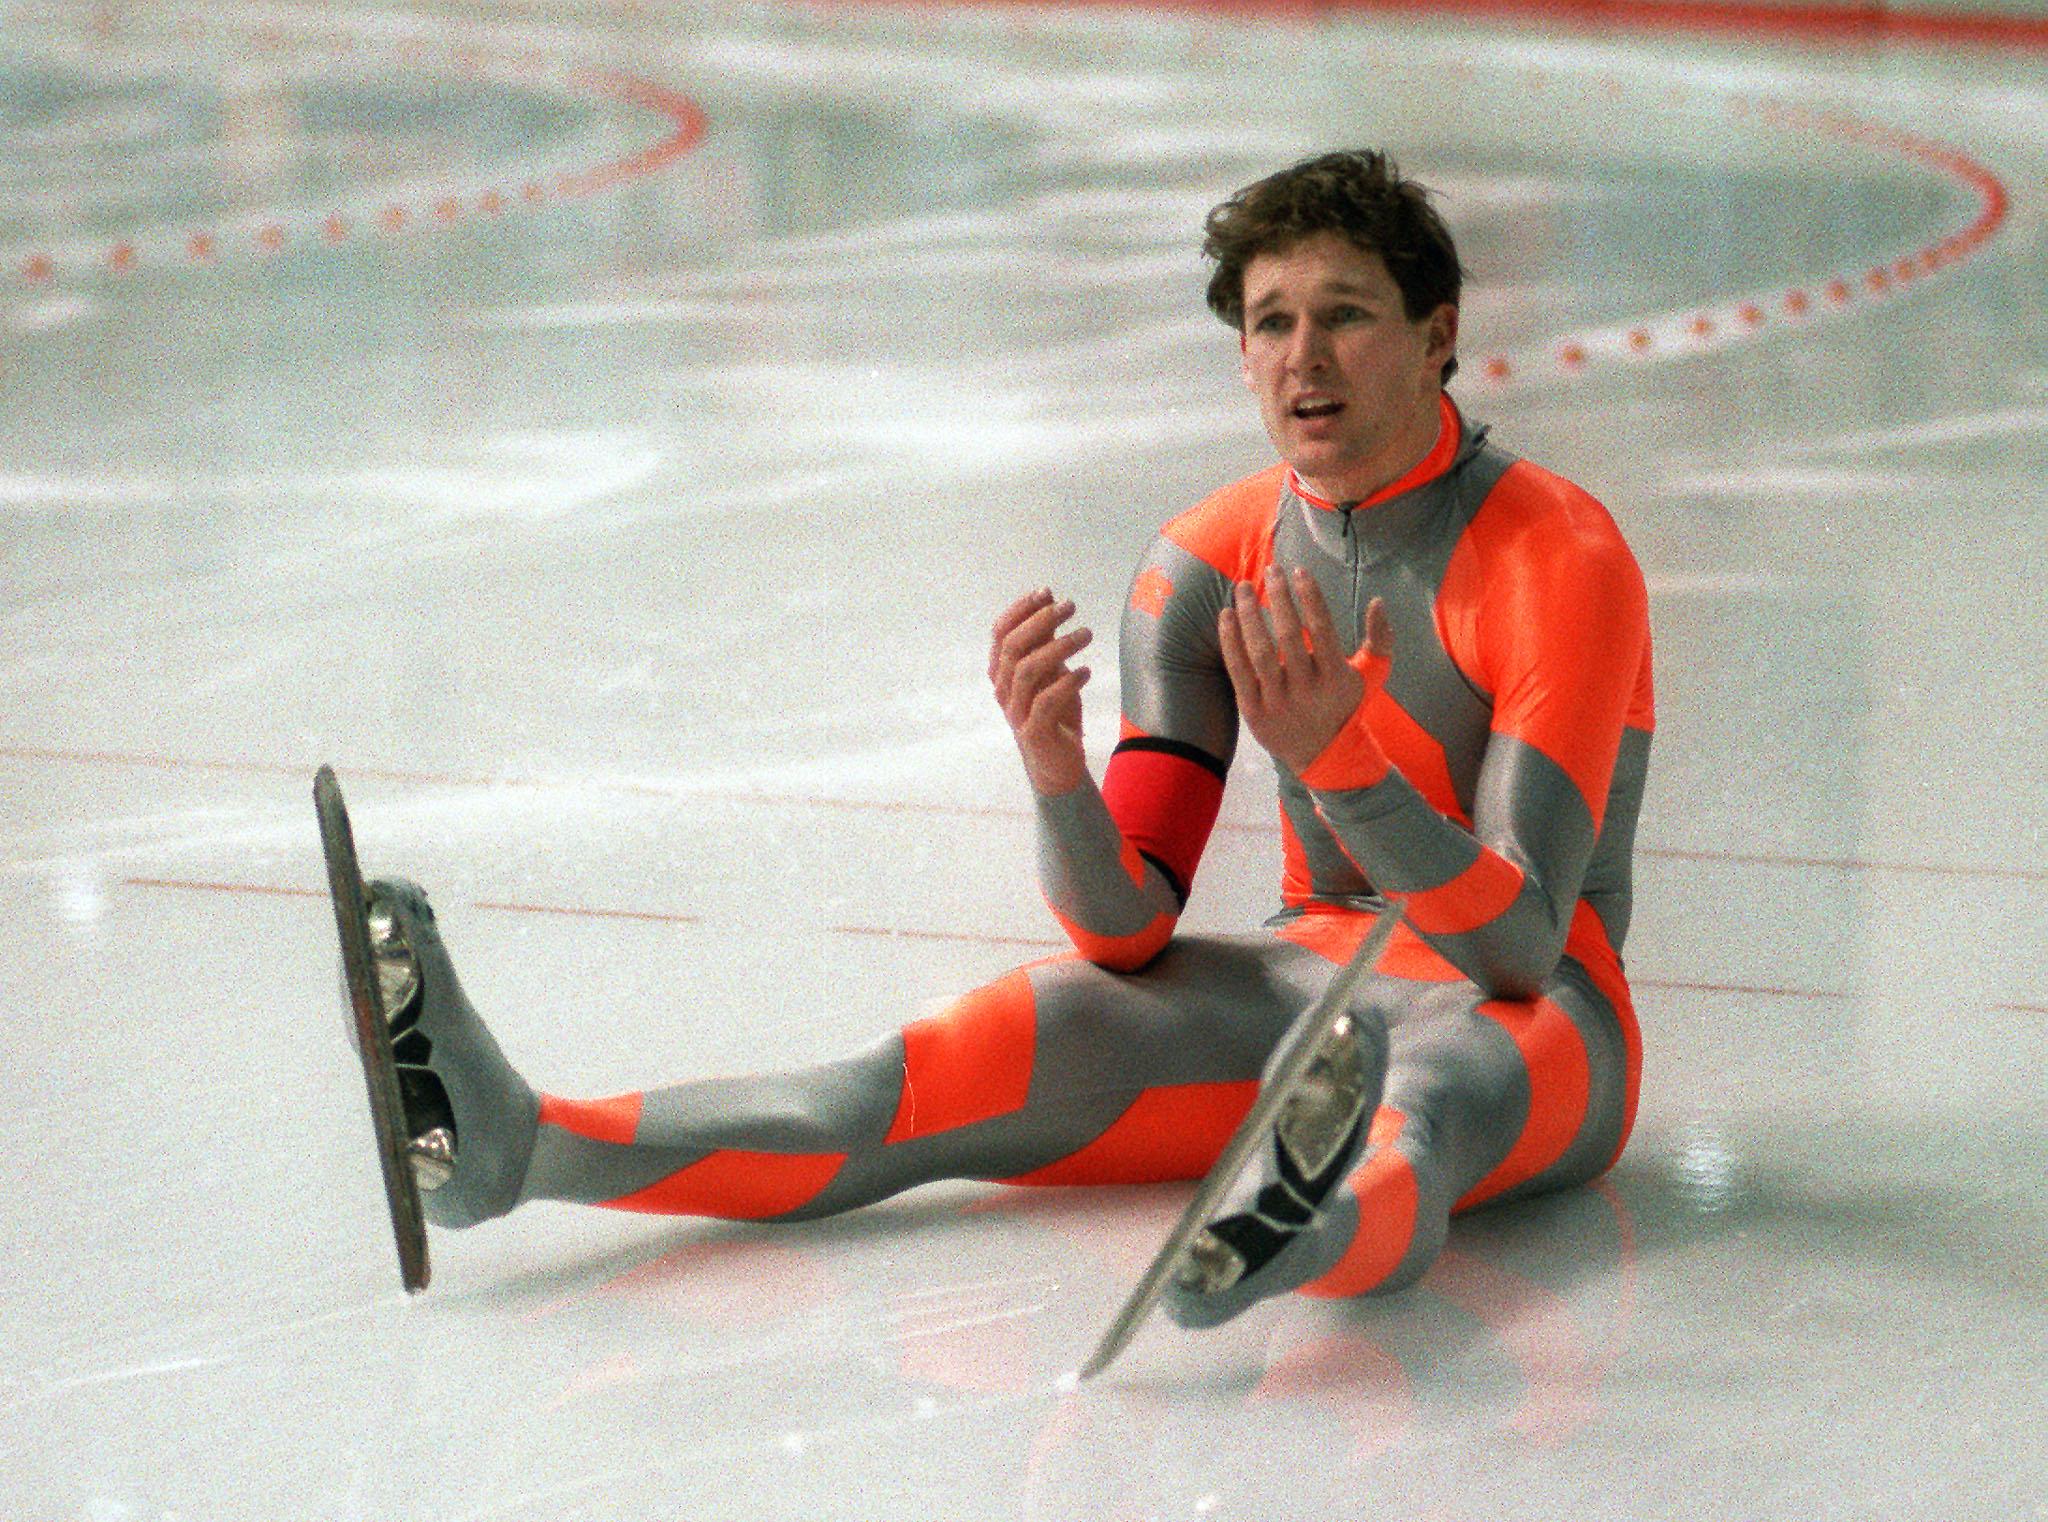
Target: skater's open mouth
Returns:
[1317, 406]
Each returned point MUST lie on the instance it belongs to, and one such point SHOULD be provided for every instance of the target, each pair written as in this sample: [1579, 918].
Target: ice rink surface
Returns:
[605, 433]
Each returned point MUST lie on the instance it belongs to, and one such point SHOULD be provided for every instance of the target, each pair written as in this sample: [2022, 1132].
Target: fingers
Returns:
[1041, 669]
[1262, 656]
[1054, 709]
[1316, 623]
[1275, 646]
[1248, 653]
[1379, 630]
[1285, 618]
[1287, 667]
[1009, 619]
[1025, 651]
[1048, 732]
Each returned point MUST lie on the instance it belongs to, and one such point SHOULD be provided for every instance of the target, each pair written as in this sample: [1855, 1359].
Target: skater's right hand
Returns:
[1039, 692]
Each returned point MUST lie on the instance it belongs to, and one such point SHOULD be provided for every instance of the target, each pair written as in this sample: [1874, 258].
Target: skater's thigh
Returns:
[1514, 1095]
[1208, 1009]
[1449, 1066]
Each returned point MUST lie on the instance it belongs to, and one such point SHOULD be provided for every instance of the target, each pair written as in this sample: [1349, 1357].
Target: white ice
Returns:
[629, 553]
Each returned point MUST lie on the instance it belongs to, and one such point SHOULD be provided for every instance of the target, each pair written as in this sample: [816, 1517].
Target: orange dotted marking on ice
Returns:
[1838, 291]
[687, 121]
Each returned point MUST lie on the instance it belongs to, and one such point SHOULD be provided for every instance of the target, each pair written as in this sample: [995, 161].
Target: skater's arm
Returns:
[1116, 862]
[1566, 645]
[1117, 908]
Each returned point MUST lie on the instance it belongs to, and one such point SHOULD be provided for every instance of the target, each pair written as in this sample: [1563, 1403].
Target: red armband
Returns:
[1164, 797]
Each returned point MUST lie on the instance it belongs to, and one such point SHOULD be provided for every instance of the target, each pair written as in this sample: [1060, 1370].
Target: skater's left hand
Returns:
[1294, 686]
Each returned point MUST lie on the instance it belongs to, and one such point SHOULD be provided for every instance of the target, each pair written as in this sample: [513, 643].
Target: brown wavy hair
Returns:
[1359, 193]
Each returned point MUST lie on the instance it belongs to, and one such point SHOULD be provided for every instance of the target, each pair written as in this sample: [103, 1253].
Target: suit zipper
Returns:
[1351, 558]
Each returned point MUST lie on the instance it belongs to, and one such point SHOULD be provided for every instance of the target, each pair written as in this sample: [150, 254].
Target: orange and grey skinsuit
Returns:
[1492, 787]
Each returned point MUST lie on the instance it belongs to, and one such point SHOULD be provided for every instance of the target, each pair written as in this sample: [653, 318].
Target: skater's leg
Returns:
[1485, 1100]
[1057, 1073]
[1482, 1099]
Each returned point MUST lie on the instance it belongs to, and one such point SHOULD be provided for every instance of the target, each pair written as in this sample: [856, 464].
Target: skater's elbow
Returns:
[1514, 982]
[1126, 961]
[1513, 956]
[1511, 966]
[1122, 953]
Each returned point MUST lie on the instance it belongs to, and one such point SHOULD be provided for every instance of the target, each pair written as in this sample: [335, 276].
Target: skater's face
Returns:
[1347, 382]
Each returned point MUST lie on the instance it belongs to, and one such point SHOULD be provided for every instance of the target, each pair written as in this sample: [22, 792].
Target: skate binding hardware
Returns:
[432, 1155]
[1315, 1130]
[430, 1120]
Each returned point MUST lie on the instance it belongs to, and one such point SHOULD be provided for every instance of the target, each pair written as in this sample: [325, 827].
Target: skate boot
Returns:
[1261, 1241]
[470, 1116]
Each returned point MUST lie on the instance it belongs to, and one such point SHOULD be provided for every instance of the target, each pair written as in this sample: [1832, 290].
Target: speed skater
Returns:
[1446, 651]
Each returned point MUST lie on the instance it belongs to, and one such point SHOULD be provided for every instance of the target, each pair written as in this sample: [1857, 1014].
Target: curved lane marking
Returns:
[1701, 327]
[267, 234]
[1678, 333]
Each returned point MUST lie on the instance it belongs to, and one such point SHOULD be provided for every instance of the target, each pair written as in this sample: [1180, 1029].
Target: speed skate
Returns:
[366, 998]
[1254, 1133]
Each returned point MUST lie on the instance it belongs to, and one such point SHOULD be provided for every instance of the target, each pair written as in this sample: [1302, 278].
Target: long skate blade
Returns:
[373, 1034]
[1252, 1132]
